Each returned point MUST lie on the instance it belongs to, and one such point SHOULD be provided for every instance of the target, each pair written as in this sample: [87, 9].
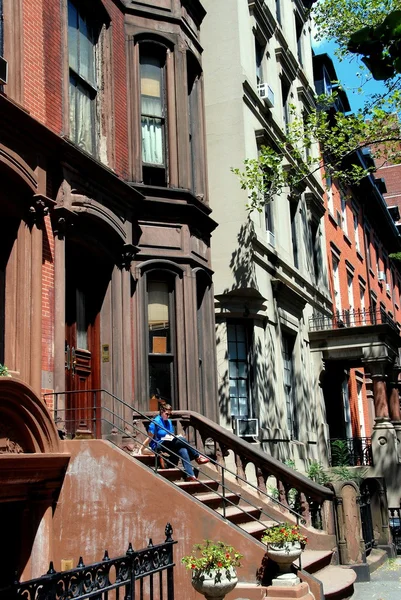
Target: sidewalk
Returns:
[385, 583]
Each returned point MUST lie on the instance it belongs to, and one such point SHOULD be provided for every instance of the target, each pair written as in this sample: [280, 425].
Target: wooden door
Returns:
[82, 348]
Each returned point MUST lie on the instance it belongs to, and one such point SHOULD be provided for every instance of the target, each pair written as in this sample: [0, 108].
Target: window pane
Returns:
[82, 336]
[160, 378]
[242, 370]
[152, 141]
[151, 84]
[158, 317]
[81, 115]
[233, 370]
[233, 389]
[234, 407]
[86, 52]
[241, 351]
[231, 333]
[232, 350]
[72, 36]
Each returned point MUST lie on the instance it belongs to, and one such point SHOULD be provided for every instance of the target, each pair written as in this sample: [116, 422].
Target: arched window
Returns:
[161, 334]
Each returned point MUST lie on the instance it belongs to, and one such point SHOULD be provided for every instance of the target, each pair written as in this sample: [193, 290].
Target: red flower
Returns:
[193, 566]
[227, 555]
[219, 564]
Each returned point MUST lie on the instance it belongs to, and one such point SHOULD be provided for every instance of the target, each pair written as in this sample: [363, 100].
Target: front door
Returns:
[84, 296]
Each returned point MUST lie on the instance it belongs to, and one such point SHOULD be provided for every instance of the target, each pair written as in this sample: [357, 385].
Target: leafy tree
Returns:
[371, 28]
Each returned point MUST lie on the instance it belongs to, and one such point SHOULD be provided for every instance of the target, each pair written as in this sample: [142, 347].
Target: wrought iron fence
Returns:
[366, 518]
[139, 575]
[395, 527]
[351, 318]
[351, 452]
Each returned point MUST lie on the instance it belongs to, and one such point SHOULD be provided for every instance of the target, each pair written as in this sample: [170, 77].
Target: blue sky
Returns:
[347, 75]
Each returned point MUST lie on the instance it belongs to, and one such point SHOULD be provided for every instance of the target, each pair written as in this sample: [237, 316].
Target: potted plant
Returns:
[213, 567]
[4, 372]
[285, 542]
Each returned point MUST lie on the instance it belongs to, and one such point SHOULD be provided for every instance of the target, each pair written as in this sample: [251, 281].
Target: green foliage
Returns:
[4, 371]
[332, 137]
[340, 455]
[317, 473]
[380, 46]
[344, 473]
[282, 533]
[212, 555]
[339, 19]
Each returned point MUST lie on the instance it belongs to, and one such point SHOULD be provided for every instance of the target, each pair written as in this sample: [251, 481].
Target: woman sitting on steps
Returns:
[161, 439]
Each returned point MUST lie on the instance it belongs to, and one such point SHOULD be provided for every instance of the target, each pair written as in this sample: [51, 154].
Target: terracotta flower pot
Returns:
[216, 583]
[284, 554]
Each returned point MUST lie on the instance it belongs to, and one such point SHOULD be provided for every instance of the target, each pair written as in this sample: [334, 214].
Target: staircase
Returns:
[239, 499]
[337, 582]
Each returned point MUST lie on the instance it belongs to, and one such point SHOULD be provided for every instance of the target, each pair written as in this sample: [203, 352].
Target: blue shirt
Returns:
[159, 428]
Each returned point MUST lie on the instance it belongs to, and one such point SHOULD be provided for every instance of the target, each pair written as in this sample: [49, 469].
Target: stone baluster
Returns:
[282, 493]
[261, 477]
[240, 464]
[305, 509]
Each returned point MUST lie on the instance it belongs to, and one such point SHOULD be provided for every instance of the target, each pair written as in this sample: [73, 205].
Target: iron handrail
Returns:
[273, 466]
[278, 467]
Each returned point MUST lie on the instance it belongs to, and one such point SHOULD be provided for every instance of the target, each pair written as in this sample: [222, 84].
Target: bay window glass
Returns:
[82, 78]
[152, 107]
[160, 316]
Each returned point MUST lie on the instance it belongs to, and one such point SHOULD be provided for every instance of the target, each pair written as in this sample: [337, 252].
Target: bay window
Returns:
[153, 114]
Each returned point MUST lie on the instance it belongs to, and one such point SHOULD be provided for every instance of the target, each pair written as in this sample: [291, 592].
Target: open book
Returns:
[168, 438]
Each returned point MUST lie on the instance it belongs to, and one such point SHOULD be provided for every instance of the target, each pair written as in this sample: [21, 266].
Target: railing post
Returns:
[223, 486]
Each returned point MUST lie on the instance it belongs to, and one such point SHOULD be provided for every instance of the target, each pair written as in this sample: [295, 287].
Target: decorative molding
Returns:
[128, 254]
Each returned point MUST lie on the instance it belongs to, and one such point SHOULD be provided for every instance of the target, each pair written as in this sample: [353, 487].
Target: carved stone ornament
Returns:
[8, 443]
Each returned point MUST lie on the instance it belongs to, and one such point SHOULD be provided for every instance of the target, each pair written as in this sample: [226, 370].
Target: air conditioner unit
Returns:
[381, 275]
[266, 93]
[246, 428]
[3, 70]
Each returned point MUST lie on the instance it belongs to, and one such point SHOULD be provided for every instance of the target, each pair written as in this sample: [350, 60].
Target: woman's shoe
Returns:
[191, 478]
[202, 460]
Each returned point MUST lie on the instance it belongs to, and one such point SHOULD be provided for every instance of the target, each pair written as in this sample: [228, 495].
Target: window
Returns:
[285, 92]
[294, 239]
[367, 244]
[336, 284]
[347, 410]
[238, 369]
[82, 72]
[344, 224]
[350, 288]
[278, 11]
[316, 250]
[377, 257]
[299, 29]
[362, 304]
[161, 335]
[288, 342]
[356, 232]
[259, 54]
[153, 114]
[329, 192]
[269, 223]
[373, 309]
[194, 115]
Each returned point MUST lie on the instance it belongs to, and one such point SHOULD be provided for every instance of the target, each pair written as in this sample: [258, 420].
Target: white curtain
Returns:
[81, 117]
[152, 131]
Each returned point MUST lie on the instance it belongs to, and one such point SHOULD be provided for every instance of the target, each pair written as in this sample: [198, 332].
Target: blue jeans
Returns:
[179, 448]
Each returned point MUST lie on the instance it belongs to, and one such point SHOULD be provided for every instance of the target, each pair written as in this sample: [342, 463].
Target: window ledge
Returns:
[359, 255]
[371, 272]
[332, 219]
[346, 238]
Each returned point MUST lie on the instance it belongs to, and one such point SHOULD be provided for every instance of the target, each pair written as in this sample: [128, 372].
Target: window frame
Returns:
[91, 87]
[154, 358]
[246, 362]
[288, 345]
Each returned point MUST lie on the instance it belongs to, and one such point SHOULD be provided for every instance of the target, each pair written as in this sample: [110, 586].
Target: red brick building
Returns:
[365, 285]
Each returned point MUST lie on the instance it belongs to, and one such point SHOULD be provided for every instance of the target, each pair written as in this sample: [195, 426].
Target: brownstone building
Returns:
[105, 273]
[105, 256]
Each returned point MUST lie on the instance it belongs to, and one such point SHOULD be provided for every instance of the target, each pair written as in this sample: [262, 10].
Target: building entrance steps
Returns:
[337, 582]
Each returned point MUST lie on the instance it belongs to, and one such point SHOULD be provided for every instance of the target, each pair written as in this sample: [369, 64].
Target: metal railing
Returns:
[352, 318]
[111, 417]
[351, 452]
[395, 527]
[138, 575]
